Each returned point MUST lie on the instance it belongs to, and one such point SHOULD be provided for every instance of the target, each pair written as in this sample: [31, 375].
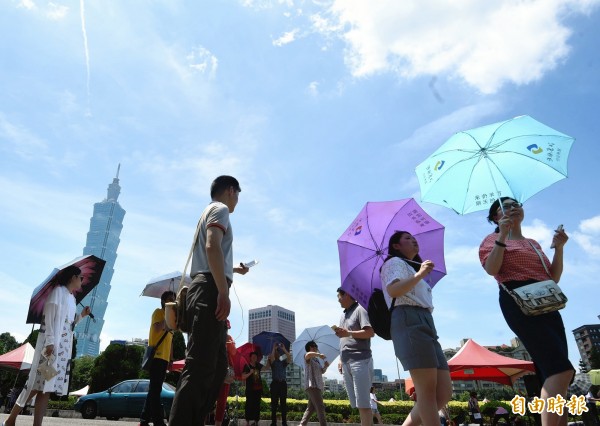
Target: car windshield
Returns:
[168, 386]
[124, 387]
[142, 386]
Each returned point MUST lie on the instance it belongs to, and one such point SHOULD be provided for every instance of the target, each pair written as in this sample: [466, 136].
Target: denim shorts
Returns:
[415, 339]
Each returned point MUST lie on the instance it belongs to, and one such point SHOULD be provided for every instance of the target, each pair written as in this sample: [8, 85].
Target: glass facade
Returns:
[102, 240]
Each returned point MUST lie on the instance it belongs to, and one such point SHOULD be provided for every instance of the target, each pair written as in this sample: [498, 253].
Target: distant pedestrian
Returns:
[374, 406]
[254, 388]
[54, 341]
[278, 361]
[153, 409]
[313, 382]
[356, 362]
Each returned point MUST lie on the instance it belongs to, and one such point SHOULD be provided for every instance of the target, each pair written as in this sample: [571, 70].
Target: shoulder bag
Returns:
[150, 352]
[538, 298]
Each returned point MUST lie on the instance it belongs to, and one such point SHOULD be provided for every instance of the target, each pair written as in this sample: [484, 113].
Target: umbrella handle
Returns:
[90, 314]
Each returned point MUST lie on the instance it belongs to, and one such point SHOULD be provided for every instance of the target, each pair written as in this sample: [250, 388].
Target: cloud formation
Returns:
[413, 38]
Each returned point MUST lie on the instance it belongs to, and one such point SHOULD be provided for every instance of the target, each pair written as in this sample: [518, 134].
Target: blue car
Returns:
[125, 399]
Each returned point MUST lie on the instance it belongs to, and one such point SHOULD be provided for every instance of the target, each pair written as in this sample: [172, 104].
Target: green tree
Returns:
[82, 372]
[595, 358]
[117, 363]
[7, 343]
[178, 346]
[7, 378]
[32, 338]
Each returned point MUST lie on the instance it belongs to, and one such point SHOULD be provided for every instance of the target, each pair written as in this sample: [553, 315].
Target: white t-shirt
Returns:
[373, 401]
[398, 269]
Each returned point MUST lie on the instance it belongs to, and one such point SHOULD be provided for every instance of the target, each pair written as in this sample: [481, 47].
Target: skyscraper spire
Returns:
[114, 189]
[103, 241]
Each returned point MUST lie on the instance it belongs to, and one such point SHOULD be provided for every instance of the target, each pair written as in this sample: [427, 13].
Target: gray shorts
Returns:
[415, 339]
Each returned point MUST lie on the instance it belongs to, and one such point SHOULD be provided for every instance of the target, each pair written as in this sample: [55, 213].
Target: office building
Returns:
[278, 320]
[587, 338]
[102, 240]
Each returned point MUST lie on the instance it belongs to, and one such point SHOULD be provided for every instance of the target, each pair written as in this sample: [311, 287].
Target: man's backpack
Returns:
[380, 314]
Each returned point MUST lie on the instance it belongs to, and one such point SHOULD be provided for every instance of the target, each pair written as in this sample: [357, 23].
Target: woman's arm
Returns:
[559, 241]
[401, 286]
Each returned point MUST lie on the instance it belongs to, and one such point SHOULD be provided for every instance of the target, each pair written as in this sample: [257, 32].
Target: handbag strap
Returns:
[541, 258]
[161, 339]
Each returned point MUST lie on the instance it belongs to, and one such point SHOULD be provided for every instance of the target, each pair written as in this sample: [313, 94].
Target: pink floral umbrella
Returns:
[91, 271]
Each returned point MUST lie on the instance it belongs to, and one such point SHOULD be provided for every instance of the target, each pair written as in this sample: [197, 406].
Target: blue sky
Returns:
[316, 106]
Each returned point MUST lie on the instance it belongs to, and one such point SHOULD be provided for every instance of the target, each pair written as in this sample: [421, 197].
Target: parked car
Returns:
[125, 399]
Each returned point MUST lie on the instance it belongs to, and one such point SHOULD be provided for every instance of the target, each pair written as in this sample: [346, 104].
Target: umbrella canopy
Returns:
[91, 271]
[18, 359]
[581, 384]
[80, 392]
[178, 365]
[266, 339]
[594, 376]
[323, 336]
[474, 362]
[364, 245]
[515, 158]
[158, 285]
[409, 386]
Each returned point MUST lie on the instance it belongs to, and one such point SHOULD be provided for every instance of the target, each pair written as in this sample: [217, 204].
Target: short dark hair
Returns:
[165, 296]
[341, 291]
[64, 277]
[222, 184]
[309, 345]
[392, 252]
[494, 208]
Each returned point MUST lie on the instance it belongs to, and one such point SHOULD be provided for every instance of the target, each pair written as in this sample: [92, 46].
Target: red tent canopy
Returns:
[474, 362]
[18, 359]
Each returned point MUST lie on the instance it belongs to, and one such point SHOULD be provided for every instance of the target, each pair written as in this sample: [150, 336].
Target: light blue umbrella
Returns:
[168, 282]
[323, 336]
[514, 158]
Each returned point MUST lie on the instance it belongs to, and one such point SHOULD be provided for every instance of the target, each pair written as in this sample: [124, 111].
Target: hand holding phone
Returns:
[559, 229]
[250, 264]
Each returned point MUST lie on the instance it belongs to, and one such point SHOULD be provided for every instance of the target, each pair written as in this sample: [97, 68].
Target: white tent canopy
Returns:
[80, 392]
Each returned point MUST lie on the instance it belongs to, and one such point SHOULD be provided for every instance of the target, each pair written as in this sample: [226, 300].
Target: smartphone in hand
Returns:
[560, 228]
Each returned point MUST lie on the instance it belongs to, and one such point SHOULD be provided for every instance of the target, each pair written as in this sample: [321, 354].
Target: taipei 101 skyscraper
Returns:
[102, 241]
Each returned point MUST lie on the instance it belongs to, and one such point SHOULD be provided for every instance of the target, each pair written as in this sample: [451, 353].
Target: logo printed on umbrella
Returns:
[439, 165]
[358, 230]
[534, 148]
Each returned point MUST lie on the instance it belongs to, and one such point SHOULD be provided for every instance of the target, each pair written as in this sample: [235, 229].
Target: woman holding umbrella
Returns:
[514, 261]
[413, 331]
[54, 342]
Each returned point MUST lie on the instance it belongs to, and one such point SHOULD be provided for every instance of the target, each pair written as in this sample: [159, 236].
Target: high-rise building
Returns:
[102, 241]
[272, 318]
[279, 320]
[587, 338]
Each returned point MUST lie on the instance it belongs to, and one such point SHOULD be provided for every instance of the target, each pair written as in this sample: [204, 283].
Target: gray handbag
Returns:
[538, 298]
[46, 369]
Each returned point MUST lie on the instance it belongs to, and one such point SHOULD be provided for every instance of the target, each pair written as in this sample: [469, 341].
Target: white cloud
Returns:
[486, 44]
[587, 235]
[56, 11]
[21, 141]
[27, 4]
[202, 61]
[286, 38]
[313, 88]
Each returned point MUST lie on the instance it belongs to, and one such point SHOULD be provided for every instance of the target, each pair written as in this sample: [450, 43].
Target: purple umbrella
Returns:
[364, 245]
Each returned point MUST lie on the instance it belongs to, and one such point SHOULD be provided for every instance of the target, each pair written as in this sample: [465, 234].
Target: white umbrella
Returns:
[323, 336]
[158, 285]
[80, 392]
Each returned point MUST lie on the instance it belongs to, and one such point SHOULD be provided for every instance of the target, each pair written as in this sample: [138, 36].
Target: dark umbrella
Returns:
[266, 339]
[91, 270]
